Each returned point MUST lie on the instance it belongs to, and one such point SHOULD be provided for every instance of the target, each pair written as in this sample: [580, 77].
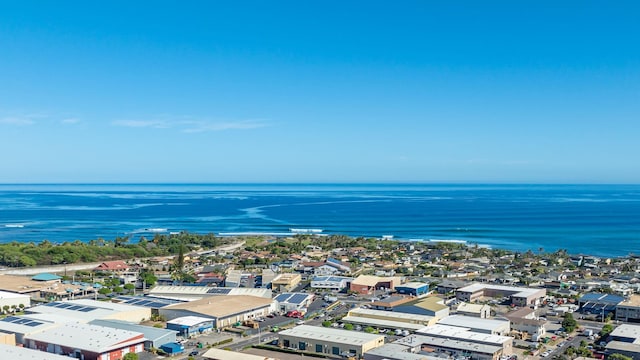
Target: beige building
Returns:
[224, 310]
[430, 306]
[286, 282]
[525, 321]
[7, 338]
[519, 296]
[366, 284]
[476, 310]
[219, 354]
[629, 310]
[455, 334]
[388, 319]
[332, 341]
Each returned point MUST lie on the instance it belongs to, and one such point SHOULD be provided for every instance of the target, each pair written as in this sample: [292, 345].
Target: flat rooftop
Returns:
[627, 331]
[473, 347]
[12, 295]
[223, 306]
[219, 354]
[413, 285]
[514, 290]
[454, 332]
[633, 300]
[91, 338]
[22, 353]
[473, 322]
[189, 320]
[399, 352]
[380, 323]
[331, 335]
[404, 317]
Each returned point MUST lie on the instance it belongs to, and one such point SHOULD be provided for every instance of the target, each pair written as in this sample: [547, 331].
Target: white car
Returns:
[545, 354]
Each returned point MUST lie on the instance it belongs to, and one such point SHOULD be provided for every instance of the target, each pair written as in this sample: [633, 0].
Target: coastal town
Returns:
[330, 297]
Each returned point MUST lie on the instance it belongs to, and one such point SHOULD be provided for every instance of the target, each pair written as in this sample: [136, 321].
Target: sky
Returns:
[320, 91]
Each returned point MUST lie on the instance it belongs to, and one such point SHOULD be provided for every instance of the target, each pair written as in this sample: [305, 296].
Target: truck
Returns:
[330, 298]
[588, 332]
[295, 314]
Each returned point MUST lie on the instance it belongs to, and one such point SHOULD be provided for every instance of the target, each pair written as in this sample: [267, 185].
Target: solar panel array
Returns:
[146, 301]
[21, 321]
[291, 298]
[71, 306]
[219, 291]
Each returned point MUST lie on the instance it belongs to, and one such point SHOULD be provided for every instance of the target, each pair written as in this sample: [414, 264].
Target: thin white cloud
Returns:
[222, 126]
[192, 126]
[17, 120]
[70, 121]
[157, 124]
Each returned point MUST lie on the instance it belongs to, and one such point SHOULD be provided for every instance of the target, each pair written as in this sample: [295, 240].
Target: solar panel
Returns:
[33, 323]
[75, 307]
[87, 309]
[283, 297]
[297, 298]
[50, 304]
[10, 319]
[218, 291]
[64, 306]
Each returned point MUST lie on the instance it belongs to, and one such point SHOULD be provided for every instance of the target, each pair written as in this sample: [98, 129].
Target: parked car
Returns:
[194, 353]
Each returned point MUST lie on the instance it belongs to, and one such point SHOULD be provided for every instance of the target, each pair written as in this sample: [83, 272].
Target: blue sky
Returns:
[331, 91]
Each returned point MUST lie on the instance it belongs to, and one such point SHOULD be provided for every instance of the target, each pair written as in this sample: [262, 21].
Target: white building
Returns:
[22, 353]
[330, 282]
[323, 340]
[479, 325]
[13, 300]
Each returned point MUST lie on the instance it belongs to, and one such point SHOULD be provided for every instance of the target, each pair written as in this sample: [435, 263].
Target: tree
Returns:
[326, 323]
[348, 326]
[129, 287]
[606, 330]
[569, 323]
[6, 309]
[130, 356]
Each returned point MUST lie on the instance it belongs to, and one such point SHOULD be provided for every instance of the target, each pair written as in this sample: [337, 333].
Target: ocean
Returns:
[602, 220]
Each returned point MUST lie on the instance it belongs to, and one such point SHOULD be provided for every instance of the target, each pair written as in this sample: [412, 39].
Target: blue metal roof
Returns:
[602, 298]
[46, 277]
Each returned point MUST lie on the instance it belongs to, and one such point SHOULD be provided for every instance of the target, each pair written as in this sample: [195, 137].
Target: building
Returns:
[391, 302]
[22, 353]
[367, 284]
[450, 286]
[519, 296]
[525, 321]
[154, 337]
[476, 310]
[388, 319]
[629, 310]
[624, 340]
[189, 293]
[454, 334]
[114, 267]
[7, 338]
[329, 340]
[220, 354]
[336, 283]
[224, 310]
[188, 326]
[413, 288]
[286, 282]
[22, 326]
[13, 300]
[419, 347]
[294, 301]
[599, 304]
[25, 285]
[87, 310]
[88, 342]
[430, 306]
[479, 325]
[399, 351]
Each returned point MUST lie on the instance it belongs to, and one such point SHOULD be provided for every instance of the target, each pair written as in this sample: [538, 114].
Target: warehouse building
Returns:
[14, 300]
[418, 347]
[88, 342]
[367, 284]
[476, 310]
[22, 326]
[219, 354]
[629, 310]
[455, 333]
[22, 353]
[294, 301]
[430, 306]
[188, 326]
[599, 304]
[190, 293]
[624, 340]
[286, 282]
[519, 296]
[224, 310]
[332, 341]
[154, 337]
[7, 338]
[336, 283]
[87, 310]
[479, 325]
[413, 288]
[388, 319]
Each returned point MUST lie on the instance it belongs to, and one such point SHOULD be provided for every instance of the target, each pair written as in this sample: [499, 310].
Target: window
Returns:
[319, 348]
[335, 350]
[302, 345]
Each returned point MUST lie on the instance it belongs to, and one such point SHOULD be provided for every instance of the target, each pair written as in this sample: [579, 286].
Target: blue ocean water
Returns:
[592, 219]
